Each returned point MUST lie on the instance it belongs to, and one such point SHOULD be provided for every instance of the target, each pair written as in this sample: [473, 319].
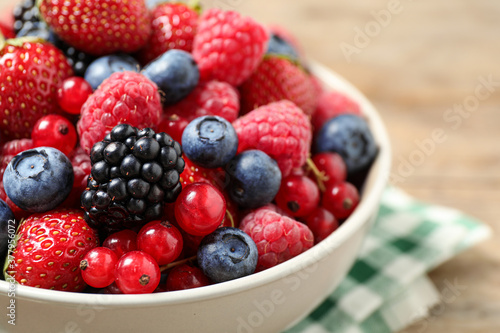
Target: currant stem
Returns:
[176, 263]
[230, 218]
[320, 175]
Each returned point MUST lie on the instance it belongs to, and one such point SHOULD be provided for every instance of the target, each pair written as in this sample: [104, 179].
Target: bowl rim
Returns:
[367, 206]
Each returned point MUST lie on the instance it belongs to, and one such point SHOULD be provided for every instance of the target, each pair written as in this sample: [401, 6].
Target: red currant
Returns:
[73, 93]
[137, 273]
[112, 289]
[298, 195]
[333, 167]
[121, 242]
[174, 125]
[322, 223]
[186, 277]
[161, 240]
[54, 131]
[340, 199]
[200, 209]
[191, 242]
[98, 267]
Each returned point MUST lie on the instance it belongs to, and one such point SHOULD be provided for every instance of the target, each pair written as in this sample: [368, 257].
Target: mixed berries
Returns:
[154, 147]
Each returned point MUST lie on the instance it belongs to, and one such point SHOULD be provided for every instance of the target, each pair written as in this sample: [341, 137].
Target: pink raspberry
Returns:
[279, 129]
[123, 98]
[278, 237]
[332, 104]
[173, 26]
[11, 149]
[228, 47]
[15, 147]
[209, 98]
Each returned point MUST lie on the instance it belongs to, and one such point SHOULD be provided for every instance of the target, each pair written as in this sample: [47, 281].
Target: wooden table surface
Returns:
[421, 64]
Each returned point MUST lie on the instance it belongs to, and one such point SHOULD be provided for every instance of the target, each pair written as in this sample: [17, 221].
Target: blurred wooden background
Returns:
[422, 60]
[425, 59]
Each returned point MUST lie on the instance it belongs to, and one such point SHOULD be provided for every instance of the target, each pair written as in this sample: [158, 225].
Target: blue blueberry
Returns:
[279, 46]
[254, 179]
[210, 141]
[102, 68]
[227, 254]
[7, 227]
[349, 136]
[151, 4]
[175, 73]
[38, 180]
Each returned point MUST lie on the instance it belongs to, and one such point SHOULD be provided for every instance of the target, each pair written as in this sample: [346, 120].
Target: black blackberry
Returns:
[25, 14]
[79, 60]
[134, 173]
[27, 22]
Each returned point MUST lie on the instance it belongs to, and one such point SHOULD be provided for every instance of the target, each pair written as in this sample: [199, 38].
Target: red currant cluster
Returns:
[134, 261]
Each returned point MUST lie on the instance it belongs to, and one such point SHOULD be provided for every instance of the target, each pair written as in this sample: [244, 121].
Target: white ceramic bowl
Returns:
[269, 301]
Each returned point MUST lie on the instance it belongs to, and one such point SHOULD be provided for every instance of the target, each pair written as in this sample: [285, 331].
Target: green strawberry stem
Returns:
[196, 6]
[295, 62]
[320, 175]
[177, 263]
[18, 42]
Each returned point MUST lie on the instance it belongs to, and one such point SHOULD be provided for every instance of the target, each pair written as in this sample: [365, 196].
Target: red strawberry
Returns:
[193, 174]
[209, 98]
[123, 98]
[101, 26]
[31, 70]
[279, 129]
[49, 249]
[228, 47]
[173, 27]
[275, 79]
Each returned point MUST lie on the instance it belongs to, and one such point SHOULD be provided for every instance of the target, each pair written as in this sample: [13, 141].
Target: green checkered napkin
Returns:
[387, 288]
